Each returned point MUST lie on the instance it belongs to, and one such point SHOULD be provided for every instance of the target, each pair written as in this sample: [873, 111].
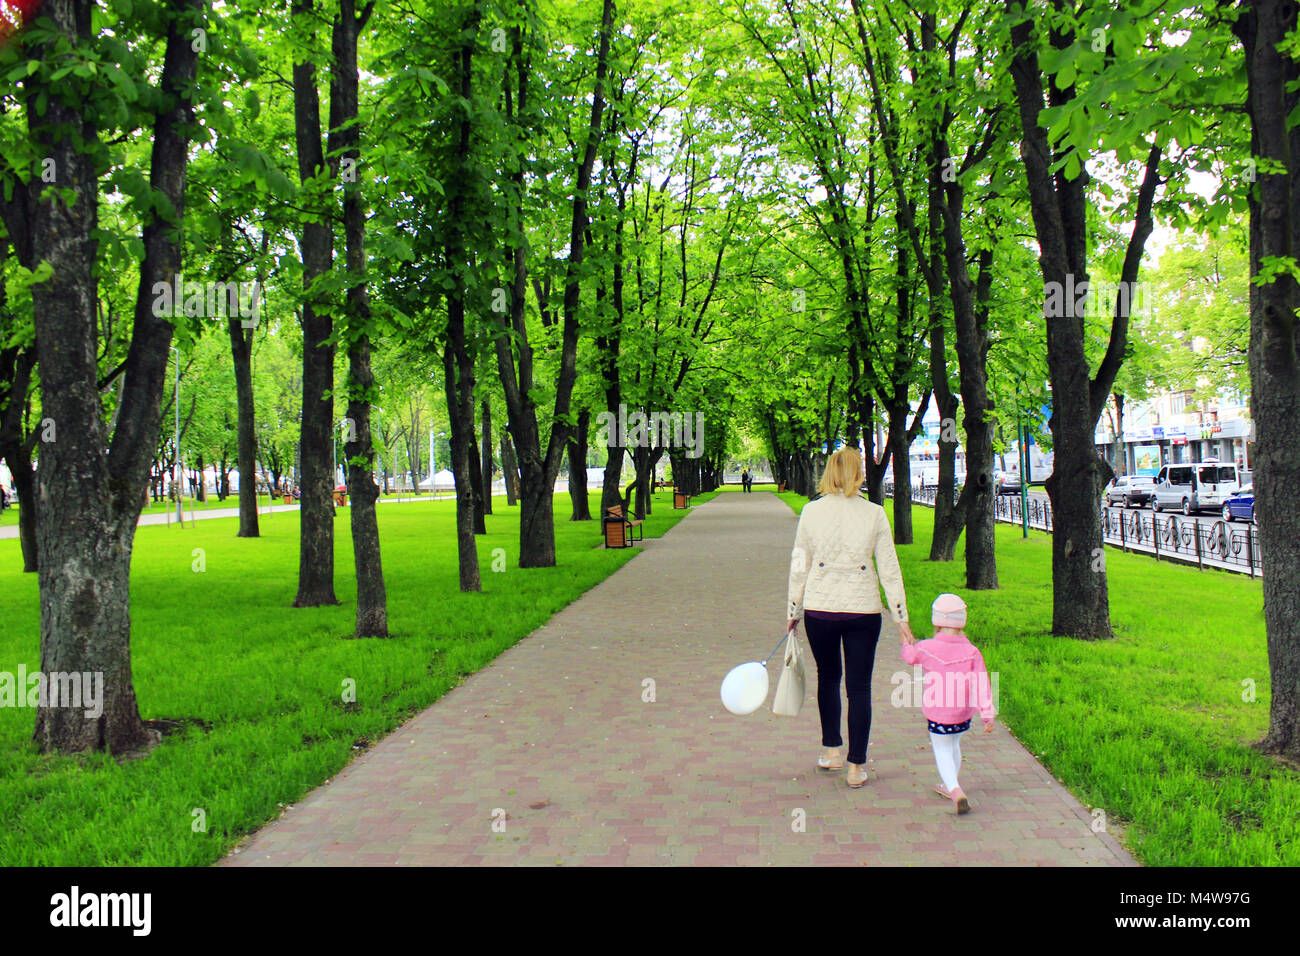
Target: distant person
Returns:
[4, 498]
[956, 687]
[843, 553]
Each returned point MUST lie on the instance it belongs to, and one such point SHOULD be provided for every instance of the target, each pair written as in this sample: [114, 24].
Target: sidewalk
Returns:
[551, 756]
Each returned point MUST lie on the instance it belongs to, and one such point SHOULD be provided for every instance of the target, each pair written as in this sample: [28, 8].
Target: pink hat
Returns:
[948, 610]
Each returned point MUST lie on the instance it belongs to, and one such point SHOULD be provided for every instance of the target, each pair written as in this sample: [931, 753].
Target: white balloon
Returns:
[745, 688]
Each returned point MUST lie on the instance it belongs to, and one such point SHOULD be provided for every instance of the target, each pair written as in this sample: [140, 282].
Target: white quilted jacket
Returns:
[831, 565]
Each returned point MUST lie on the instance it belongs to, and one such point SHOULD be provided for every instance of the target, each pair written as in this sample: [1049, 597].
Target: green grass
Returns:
[1150, 727]
[258, 686]
[9, 517]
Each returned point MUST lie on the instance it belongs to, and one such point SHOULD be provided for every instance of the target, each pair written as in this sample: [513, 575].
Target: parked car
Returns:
[1195, 486]
[1130, 490]
[1241, 505]
[1006, 482]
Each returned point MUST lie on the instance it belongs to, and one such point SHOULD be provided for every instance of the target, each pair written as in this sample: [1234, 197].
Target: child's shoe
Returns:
[959, 798]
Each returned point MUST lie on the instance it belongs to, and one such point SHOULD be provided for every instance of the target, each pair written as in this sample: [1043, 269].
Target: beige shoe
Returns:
[959, 798]
[831, 760]
[857, 775]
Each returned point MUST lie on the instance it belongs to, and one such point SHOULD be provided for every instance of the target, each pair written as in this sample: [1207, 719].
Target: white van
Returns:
[1194, 486]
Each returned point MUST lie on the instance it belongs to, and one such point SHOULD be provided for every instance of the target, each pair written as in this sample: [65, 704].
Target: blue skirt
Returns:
[948, 728]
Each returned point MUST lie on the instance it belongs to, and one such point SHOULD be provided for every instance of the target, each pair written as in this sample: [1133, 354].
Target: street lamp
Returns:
[1023, 452]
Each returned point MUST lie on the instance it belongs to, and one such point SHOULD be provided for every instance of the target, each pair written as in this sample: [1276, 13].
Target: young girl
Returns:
[956, 685]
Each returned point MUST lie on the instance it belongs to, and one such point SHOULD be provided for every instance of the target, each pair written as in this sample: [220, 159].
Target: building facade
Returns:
[1175, 426]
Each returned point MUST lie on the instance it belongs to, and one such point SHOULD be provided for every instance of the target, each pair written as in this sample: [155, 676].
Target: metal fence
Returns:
[1198, 539]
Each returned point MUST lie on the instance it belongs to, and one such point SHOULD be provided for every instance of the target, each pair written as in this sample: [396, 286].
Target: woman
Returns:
[835, 589]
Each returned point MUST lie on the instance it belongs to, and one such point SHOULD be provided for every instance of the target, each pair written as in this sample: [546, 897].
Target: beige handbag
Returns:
[788, 700]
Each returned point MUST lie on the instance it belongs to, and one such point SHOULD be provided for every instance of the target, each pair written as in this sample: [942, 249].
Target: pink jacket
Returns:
[956, 683]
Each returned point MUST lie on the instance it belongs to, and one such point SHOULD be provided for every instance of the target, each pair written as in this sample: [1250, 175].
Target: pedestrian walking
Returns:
[843, 554]
[956, 687]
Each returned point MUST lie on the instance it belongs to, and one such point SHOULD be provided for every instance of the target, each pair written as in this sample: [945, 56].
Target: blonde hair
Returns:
[843, 474]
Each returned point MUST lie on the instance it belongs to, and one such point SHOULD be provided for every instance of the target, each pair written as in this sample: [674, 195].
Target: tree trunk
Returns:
[241, 353]
[510, 469]
[358, 444]
[15, 448]
[17, 364]
[609, 496]
[475, 474]
[458, 364]
[899, 448]
[487, 456]
[645, 460]
[1274, 370]
[372, 593]
[91, 491]
[978, 503]
[460, 412]
[537, 522]
[948, 524]
[970, 314]
[316, 537]
[578, 469]
[25, 489]
[875, 466]
[538, 472]
[1080, 596]
[948, 518]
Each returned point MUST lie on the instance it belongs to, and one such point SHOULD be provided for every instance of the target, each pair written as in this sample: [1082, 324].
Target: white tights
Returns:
[947, 754]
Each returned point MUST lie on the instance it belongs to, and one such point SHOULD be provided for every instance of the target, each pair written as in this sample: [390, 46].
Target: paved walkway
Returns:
[551, 756]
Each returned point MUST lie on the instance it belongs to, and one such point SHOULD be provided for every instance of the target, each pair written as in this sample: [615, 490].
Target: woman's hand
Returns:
[794, 622]
[905, 635]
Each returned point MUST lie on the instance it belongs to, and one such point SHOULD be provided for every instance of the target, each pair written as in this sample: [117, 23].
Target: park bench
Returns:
[681, 499]
[620, 531]
[341, 499]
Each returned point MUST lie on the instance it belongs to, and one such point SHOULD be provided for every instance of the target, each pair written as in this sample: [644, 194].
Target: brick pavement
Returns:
[550, 755]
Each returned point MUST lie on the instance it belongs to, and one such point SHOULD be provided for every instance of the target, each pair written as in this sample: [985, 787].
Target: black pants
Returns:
[859, 637]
